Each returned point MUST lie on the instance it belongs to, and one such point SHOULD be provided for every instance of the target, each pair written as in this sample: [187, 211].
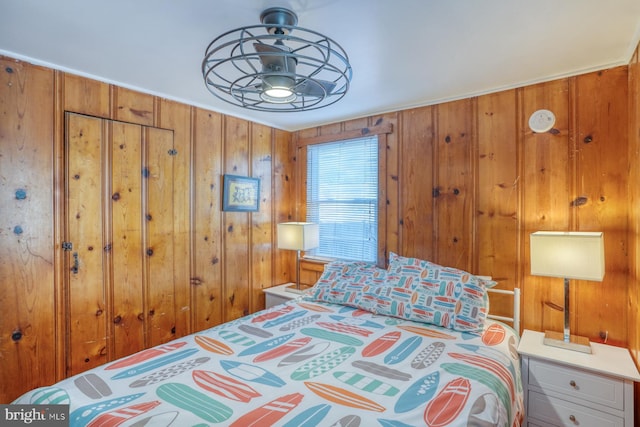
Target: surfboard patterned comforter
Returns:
[305, 364]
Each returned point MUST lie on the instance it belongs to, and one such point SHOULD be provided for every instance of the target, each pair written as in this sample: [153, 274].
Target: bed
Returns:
[359, 349]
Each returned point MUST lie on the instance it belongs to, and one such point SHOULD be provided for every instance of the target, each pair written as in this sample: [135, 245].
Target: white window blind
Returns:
[342, 197]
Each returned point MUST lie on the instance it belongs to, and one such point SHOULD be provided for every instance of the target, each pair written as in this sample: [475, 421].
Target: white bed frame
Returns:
[515, 320]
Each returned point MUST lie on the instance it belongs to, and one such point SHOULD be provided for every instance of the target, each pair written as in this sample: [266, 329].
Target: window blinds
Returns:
[342, 197]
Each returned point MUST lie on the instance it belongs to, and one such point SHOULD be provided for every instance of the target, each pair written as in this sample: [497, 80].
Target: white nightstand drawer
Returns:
[557, 412]
[577, 384]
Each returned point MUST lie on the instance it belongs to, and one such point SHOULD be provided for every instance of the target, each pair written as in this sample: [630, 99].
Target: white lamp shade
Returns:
[571, 254]
[299, 236]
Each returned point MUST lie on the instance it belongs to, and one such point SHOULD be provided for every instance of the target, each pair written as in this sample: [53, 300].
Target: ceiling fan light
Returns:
[278, 92]
[278, 96]
[277, 86]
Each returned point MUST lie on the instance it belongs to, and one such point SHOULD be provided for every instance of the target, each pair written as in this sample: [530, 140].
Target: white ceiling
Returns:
[404, 53]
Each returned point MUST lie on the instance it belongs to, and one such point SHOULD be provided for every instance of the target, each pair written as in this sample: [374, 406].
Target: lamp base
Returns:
[576, 343]
[297, 289]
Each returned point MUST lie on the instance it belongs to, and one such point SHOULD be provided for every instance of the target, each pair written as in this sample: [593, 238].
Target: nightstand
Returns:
[277, 295]
[569, 388]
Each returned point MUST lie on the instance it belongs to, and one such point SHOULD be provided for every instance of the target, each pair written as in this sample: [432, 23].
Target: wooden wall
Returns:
[221, 260]
[465, 183]
[634, 216]
[468, 181]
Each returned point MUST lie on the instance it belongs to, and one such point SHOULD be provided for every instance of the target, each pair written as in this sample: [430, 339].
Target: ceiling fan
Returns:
[275, 70]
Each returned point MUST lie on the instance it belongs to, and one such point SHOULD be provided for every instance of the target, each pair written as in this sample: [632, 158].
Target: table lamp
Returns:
[570, 255]
[298, 236]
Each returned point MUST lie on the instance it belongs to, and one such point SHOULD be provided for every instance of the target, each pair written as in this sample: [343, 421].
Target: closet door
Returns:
[126, 254]
[85, 248]
[119, 239]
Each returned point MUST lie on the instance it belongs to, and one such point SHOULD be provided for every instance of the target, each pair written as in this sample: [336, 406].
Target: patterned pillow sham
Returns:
[409, 288]
[427, 292]
[415, 267]
[349, 283]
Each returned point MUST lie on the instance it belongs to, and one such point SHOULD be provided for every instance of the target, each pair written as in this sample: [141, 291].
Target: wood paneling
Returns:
[177, 117]
[509, 181]
[127, 253]
[497, 242]
[418, 143]
[121, 281]
[87, 146]
[237, 228]
[545, 189]
[601, 182]
[206, 234]
[160, 235]
[284, 191]
[633, 317]
[453, 182]
[27, 294]
[86, 96]
[262, 232]
[175, 263]
[471, 181]
[129, 106]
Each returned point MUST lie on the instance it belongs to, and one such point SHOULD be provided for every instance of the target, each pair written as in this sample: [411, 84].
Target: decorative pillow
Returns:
[349, 283]
[414, 266]
[427, 292]
[411, 289]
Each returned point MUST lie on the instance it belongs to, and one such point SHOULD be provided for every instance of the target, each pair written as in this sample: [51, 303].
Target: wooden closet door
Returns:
[126, 231]
[120, 239]
[86, 330]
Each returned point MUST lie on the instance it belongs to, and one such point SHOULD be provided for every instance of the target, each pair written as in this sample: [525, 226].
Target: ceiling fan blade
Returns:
[272, 57]
[264, 48]
[316, 88]
[249, 89]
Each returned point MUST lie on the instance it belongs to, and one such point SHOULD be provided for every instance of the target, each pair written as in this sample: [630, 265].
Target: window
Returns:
[342, 197]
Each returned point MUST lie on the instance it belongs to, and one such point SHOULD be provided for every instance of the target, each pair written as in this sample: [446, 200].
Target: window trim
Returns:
[381, 131]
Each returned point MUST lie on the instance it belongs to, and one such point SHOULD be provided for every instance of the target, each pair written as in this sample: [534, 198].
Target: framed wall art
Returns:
[240, 194]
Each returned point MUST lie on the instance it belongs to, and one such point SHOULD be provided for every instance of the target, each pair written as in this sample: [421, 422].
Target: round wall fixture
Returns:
[542, 121]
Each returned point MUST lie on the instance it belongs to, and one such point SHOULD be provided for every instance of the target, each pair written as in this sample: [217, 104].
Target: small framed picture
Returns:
[240, 194]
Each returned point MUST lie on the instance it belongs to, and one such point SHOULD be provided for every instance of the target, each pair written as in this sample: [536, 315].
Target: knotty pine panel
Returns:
[389, 231]
[27, 293]
[86, 96]
[417, 178]
[600, 199]
[125, 266]
[496, 239]
[236, 225]
[634, 217]
[285, 164]
[262, 232]
[546, 176]
[86, 151]
[207, 249]
[132, 107]
[159, 235]
[177, 117]
[453, 182]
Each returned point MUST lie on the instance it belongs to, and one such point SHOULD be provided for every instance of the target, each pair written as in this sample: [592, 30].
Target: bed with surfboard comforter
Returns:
[410, 345]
